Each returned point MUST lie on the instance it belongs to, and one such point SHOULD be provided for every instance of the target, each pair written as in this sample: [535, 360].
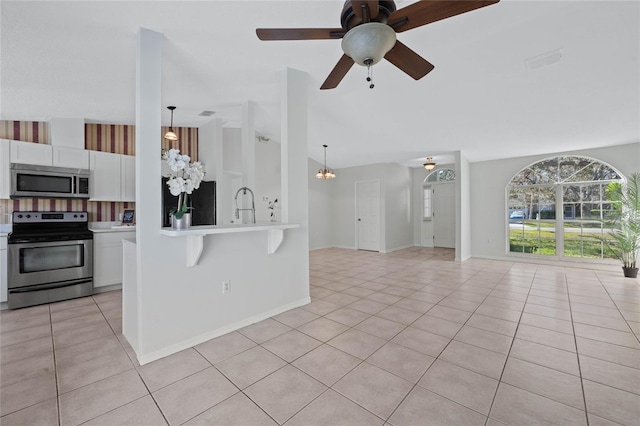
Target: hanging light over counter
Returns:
[325, 173]
[171, 135]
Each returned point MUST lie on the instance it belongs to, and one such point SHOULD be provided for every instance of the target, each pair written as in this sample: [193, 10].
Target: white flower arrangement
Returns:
[186, 179]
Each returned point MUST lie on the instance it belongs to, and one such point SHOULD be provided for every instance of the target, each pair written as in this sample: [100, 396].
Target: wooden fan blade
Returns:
[408, 61]
[365, 10]
[299, 33]
[337, 74]
[426, 12]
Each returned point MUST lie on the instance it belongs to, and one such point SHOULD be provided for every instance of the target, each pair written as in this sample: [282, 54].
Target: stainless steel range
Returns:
[50, 258]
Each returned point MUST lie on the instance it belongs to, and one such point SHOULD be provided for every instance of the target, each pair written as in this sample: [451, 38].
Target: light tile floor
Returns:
[407, 338]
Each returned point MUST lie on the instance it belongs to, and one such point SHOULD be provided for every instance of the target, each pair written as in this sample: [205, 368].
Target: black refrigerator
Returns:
[202, 202]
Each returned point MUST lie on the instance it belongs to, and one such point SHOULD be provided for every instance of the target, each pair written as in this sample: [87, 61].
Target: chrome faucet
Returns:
[253, 205]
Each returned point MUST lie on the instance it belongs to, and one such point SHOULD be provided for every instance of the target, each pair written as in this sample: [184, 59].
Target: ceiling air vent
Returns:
[206, 113]
[546, 59]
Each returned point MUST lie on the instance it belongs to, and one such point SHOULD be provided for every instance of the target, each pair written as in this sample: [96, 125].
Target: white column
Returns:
[249, 146]
[148, 195]
[463, 208]
[210, 153]
[293, 148]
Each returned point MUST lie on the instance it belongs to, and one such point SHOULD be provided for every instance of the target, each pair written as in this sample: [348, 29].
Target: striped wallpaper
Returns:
[28, 131]
[115, 138]
[121, 139]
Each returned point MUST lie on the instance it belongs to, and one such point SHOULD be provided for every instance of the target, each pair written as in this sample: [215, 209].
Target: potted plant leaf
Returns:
[623, 222]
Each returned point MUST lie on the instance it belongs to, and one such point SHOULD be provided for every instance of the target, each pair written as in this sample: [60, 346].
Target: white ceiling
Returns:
[77, 59]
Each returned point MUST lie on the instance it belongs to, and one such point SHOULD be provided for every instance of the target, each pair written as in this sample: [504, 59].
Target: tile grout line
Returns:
[55, 367]
[134, 368]
[575, 342]
[493, 400]
[443, 349]
[618, 309]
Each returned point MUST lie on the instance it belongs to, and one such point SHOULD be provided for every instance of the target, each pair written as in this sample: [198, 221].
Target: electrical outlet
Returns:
[226, 287]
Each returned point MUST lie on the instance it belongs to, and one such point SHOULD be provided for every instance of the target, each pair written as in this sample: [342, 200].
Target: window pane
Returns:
[427, 206]
[591, 211]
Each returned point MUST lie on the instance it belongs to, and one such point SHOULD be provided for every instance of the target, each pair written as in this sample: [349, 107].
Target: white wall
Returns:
[344, 202]
[268, 175]
[489, 180]
[396, 224]
[398, 206]
[177, 306]
[321, 220]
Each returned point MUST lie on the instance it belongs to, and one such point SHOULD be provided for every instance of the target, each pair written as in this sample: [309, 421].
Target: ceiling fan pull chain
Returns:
[369, 72]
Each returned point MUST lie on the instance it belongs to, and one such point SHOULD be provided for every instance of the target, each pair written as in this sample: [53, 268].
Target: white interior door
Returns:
[368, 215]
[444, 215]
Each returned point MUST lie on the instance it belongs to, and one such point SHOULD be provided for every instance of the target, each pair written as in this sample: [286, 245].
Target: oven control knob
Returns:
[75, 215]
[28, 216]
[20, 216]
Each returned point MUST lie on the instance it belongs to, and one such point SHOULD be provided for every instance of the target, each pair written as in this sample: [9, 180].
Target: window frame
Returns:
[559, 182]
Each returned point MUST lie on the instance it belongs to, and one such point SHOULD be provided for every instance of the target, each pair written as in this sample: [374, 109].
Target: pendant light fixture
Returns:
[325, 173]
[171, 135]
[430, 164]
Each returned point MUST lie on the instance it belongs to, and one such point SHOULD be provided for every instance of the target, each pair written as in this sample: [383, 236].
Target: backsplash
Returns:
[115, 138]
[99, 211]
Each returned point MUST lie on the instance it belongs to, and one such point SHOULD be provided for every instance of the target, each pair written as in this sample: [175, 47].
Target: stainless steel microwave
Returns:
[48, 182]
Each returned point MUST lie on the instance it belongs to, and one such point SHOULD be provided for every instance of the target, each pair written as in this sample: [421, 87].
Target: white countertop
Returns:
[100, 227]
[5, 228]
[202, 230]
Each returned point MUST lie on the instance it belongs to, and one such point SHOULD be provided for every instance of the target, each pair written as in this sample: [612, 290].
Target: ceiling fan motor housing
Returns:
[367, 43]
[348, 19]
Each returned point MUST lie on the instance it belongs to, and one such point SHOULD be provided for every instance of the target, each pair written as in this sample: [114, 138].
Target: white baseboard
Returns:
[188, 343]
[397, 248]
[578, 263]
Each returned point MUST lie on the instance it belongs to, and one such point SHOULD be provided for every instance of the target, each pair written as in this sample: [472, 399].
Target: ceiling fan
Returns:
[368, 32]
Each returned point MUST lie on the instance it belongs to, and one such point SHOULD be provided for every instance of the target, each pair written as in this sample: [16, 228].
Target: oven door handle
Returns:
[39, 287]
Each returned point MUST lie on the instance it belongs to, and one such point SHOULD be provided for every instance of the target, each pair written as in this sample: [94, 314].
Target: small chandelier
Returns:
[325, 173]
[171, 135]
[430, 164]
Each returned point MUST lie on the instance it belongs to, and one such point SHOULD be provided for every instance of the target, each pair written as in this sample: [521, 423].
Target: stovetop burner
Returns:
[49, 226]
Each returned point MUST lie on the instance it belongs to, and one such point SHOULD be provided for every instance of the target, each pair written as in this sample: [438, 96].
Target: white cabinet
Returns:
[127, 178]
[48, 155]
[31, 153]
[104, 183]
[113, 177]
[5, 174]
[107, 255]
[3, 269]
[70, 157]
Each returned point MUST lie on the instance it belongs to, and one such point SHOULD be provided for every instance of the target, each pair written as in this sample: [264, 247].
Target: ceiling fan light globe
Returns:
[367, 43]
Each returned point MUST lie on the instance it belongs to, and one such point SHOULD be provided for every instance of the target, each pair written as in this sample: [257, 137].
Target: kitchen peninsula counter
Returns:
[195, 235]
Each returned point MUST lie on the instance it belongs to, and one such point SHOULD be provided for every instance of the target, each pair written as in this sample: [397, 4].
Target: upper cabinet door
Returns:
[31, 153]
[104, 183]
[70, 157]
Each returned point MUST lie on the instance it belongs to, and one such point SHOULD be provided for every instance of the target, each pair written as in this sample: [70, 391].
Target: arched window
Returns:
[440, 175]
[555, 207]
